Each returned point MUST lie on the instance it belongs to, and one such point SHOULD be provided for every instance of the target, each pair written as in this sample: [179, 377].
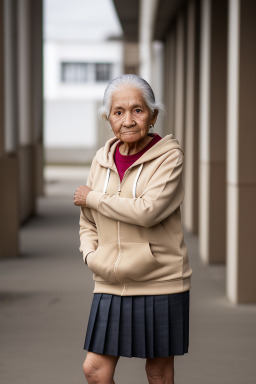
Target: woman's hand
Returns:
[80, 195]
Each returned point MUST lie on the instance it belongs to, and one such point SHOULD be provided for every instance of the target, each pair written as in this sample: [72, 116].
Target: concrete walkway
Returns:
[45, 298]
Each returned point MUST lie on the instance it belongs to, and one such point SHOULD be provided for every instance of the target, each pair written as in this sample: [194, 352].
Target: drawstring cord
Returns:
[106, 181]
[134, 184]
[135, 181]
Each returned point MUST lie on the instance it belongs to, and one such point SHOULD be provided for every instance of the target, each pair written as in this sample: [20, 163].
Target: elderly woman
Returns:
[131, 238]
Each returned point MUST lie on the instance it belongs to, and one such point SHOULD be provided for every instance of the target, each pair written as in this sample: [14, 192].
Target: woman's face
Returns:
[130, 117]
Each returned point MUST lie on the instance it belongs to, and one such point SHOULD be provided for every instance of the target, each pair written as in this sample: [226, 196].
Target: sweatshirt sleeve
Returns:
[88, 230]
[161, 197]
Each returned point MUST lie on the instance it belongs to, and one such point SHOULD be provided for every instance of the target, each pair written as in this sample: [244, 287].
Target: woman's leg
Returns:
[160, 370]
[99, 368]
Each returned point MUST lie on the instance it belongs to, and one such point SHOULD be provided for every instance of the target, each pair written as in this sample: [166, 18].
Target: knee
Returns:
[155, 376]
[158, 373]
[92, 372]
[96, 372]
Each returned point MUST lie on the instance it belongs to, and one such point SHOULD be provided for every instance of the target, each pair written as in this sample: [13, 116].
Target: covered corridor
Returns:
[199, 55]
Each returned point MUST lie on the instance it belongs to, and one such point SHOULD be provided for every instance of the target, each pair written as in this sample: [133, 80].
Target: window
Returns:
[78, 72]
[103, 71]
[74, 72]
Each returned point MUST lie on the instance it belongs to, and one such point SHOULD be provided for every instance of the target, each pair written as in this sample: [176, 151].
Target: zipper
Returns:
[118, 260]
[118, 236]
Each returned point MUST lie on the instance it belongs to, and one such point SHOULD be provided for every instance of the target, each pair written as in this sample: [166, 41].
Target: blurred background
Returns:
[56, 58]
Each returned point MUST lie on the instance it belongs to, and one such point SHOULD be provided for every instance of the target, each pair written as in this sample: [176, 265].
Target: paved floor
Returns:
[45, 298]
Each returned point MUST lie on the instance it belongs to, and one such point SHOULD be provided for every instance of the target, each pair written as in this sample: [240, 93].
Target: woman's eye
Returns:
[137, 110]
[118, 113]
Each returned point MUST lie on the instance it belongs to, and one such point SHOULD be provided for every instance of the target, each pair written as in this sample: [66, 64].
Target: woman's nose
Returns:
[128, 120]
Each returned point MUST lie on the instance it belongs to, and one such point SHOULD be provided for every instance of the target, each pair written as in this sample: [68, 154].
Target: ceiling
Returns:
[128, 13]
[166, 11]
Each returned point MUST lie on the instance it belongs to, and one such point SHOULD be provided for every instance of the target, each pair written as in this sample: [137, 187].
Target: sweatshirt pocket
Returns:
[137, 263]
[102, 261]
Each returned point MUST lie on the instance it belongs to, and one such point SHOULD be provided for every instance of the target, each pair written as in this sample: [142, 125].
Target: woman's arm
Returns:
[162, 196]
[88, 231]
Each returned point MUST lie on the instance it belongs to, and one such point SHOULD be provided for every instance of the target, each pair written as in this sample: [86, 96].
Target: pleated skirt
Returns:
[144, 326]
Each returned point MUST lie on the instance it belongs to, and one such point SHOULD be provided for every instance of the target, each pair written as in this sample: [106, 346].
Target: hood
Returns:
[105, 155]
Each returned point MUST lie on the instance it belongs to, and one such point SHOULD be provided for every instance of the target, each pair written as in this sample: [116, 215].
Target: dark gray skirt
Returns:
[144, 326]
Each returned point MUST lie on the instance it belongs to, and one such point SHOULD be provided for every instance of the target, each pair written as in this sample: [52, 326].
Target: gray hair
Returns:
[134, 81]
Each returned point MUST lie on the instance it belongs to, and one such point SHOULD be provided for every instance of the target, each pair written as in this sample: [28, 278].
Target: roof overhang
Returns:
[165, 14]
[128, 12]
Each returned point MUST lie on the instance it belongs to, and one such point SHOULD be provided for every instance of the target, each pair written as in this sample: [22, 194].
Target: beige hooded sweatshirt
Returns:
[134, 227]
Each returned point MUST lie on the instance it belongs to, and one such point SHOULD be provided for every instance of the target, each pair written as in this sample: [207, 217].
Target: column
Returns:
[37, 94]
[192, 118]
[146, 23]
[169, 84]
[158, 82]
[2, 135]
[9, 191]
[180, 79]
[130, 57]
[241, 159]
[212, 132]
[27, 172]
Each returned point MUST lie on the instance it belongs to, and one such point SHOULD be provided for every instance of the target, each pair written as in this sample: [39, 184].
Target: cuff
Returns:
[85, 254]
[93, 198]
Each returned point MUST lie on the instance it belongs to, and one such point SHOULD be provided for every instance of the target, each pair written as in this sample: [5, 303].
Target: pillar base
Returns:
[9, 201]
[27, 195]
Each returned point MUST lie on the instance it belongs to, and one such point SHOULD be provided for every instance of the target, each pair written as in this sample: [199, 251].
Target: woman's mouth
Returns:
[129, 133]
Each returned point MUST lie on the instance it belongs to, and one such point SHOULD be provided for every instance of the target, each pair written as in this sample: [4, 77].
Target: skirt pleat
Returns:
[144, 326]
[176, 325]
[91, 321]
[138, 327]
[125, 330]
[150, 333]
[161, 326]
[100, 325]
[111, 344]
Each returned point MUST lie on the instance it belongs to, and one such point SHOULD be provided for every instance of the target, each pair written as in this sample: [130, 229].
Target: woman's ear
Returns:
[154, 117]
[104, 116]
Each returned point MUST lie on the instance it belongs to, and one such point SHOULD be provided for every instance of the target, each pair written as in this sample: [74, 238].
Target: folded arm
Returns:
[162, 196]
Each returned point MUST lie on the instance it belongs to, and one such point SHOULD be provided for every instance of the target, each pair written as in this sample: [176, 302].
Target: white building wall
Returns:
[70, 108]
